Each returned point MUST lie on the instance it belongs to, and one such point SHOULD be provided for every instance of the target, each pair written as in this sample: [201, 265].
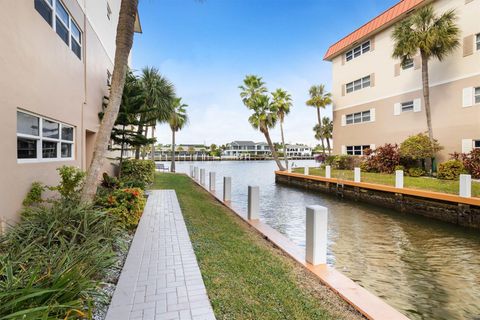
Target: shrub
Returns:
[124, 205]
[384, 159]
[416, 172]
[450, 170]
[419, 147]
[399, 167]
[71, 182]
[471, 162]
[344, 162]
[321, 158]
[140, 170]
[34, 196]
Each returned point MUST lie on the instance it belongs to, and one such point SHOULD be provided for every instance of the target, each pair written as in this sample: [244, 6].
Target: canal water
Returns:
[424, 268]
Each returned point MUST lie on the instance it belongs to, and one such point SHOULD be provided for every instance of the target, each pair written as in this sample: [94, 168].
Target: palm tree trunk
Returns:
[283, 142]
[137, 148]
[328, 146]
[272, 149]
[124, 42]
[426, 96]
[320, 128]
[172, 166]
[145, 148]
[153, 143]
[122, 148]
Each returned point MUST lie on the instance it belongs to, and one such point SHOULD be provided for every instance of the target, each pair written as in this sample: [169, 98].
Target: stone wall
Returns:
[452, 212]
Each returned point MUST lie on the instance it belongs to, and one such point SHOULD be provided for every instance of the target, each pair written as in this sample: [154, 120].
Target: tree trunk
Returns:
[153, 143]
[426, 97]
[283, 142]
[137, 148]
[124, 42]
[122, 148]
[272, 149]
[172, 166]
[320, 128]
[328, 146]
[145, 149]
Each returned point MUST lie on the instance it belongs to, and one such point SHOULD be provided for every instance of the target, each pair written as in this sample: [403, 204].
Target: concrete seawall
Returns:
[445, 207]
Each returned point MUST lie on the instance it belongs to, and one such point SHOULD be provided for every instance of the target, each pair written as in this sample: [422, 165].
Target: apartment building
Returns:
[240, 148]
[298, 150]
[56, 61]
[376, 100]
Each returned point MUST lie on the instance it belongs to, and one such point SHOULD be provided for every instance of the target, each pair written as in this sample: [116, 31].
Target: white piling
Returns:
[202, 177]
[399, 179]
[227, 188]
[192, 173]
[212, 181]
[316, 237]
[253, 202]
[357, 177]
[195, 173]
[328, 171]
[306, 171]
[465, 185]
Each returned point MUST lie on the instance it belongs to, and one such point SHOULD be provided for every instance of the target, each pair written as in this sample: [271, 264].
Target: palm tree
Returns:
[319, 98]
[282, 101]
[158, 94]
[124, 42]
[264, 115]
[178, 120]
[327, 132]
[431, 35]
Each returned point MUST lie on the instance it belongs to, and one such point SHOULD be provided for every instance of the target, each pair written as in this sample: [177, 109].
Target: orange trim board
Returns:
[407, 191]
[369, 305]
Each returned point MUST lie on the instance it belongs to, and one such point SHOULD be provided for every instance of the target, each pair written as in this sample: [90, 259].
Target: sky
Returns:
[205, 48]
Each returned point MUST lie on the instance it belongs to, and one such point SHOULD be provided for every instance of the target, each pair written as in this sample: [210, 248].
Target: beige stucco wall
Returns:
[41, 75]
[450, 121]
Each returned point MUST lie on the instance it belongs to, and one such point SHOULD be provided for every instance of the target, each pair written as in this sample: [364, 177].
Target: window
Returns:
[476, 144]
[358, 84]
[357, 150]
[407, 64]
[477, 95]
[55, 14]
[478, 42]
[407, 106]
[109, 78]
[43, 139]
[358, 117]
[358, 51]
[109, 11]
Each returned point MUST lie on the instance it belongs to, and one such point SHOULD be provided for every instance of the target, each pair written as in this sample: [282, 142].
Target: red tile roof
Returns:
[380, 22]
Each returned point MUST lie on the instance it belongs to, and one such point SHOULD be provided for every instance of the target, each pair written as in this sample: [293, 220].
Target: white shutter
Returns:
[468, 97]
[344, 120]
[372, 147]
[467, 145]
[397, 109]
[372, 115]
[417, 105]
[344, 149]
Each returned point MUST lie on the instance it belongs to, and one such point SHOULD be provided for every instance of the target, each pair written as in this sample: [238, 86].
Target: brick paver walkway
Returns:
[161, 278]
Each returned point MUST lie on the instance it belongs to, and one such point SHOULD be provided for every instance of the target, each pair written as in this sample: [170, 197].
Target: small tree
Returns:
[178, 120]
[419, 147]
[319, 99]
[282, 101]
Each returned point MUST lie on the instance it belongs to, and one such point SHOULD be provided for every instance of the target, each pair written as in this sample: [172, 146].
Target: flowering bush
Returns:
[384, 159]
[471, 162]
[125, 205]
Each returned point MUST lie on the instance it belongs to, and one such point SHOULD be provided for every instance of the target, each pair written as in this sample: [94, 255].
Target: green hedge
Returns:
[138, 170]
[450, 170]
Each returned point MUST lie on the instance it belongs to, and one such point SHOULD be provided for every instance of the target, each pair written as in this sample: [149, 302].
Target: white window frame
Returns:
[40, 138]
[477, 42]
[350, 118]
[358, 51]
[356, 150]
[407, 106]
[476, 95]
[358, 84]
[71, 21]
[474, 144]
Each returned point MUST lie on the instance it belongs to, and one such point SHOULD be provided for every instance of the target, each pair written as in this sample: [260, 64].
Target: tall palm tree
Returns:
[319, 98]
[158, 94]
[327, 132]
[178, 119]
[124, 42]
[264, 115]
[431, 35]
[282, 101]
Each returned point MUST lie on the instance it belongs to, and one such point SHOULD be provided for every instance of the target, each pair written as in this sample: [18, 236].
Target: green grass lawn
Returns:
[423, 183]
[246, 277]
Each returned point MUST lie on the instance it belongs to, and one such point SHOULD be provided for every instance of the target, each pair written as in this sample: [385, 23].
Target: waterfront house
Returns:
[57, 61]
[376, 100]
[182, 150]
[298, 150]
[242, 148]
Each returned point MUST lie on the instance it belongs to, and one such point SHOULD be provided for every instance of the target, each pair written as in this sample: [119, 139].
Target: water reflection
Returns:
[424, 268]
